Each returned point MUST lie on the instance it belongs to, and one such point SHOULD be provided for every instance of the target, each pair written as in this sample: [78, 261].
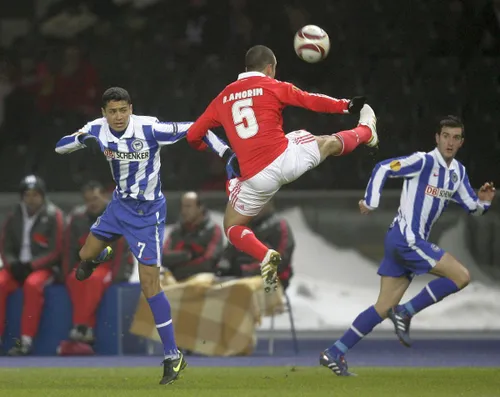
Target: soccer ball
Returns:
[311, 43]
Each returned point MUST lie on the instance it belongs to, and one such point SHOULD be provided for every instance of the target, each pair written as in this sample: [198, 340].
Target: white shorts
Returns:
[302, 154]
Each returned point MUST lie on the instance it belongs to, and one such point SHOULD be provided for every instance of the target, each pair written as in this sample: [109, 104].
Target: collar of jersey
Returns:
[440, 159]
[129, 132]
[250, 74]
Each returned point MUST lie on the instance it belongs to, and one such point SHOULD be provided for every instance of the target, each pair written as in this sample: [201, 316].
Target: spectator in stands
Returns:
[86, 295]
[76, 85]
[195, 244]
[31, 244]
[275, 232]
[489, 25]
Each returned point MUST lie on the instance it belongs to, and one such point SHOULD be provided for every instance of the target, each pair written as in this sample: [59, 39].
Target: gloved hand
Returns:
[20, 271]
[232, 164]
[356, 104]
[91, 142]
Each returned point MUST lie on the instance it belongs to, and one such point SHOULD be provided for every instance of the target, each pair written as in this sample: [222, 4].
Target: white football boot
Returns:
[367, 117]
[269, 270]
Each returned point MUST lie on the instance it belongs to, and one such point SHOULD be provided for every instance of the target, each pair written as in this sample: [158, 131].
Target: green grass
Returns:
[254, 381]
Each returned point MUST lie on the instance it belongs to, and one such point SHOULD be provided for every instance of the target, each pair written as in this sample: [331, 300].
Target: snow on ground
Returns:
[332, 285]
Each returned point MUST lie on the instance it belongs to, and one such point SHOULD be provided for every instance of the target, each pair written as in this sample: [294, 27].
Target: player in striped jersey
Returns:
[137, 211]
[431, 181]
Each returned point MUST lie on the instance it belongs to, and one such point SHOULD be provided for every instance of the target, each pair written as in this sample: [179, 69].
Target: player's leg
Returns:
[423, 257]
[453, 277]
[146, 245]
[94, 252]
[344, 142]
[92, 248]
[245, 203]
[33, 296]
[174, 361]
[394, 281]
[392, 290]
[449, 267]
[8, 284]
[96, 249]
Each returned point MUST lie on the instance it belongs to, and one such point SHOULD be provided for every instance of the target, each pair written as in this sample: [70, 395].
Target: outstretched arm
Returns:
[69, 143]
[293, 96]
[399, 167]
[79, 140]
[469, 201]
[200, 127]
[172, 132]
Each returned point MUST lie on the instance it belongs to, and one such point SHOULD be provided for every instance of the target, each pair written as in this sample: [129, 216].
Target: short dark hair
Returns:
[92, 185]
[452, 122]
[258, 57]
[115, 94]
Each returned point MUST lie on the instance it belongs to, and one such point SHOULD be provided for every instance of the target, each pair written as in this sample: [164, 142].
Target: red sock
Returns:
[351, 139]
[244, 240]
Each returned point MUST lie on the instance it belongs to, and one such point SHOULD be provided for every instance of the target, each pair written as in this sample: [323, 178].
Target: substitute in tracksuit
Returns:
[195, 244]
[31, 244]
[86, 295]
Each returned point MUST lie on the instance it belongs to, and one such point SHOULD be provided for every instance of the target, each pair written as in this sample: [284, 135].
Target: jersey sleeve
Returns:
[215, 143]
[170, 132]
[399, 167]
[201, 126]
[72, 143]
[467, 198]
[290, 95]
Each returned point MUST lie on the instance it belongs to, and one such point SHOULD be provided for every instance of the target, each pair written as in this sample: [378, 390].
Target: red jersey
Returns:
[250, 111]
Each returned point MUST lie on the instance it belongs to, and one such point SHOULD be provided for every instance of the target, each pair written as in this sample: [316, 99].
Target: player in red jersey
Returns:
[250, 112]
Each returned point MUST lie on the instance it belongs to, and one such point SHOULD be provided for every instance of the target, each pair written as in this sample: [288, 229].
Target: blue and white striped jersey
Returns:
[428, 187]
[134, 156]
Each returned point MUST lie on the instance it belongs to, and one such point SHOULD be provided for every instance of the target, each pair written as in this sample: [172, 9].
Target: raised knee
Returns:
[463, 278]
[85, 254]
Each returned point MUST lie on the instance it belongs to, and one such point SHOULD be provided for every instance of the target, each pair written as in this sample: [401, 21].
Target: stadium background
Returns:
[416, 62]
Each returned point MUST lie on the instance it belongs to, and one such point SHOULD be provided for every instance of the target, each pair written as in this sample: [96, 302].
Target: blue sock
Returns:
[433, 292]
[362, 325]
[161, 312]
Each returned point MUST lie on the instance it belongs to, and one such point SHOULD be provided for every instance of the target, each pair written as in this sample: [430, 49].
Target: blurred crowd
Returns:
[416, 61]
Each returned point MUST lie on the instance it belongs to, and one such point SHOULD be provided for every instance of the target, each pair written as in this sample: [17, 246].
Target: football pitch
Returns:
[250, 381]
[435, 368]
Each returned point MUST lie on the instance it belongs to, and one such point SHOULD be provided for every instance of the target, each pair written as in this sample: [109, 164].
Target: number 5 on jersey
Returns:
[244, 118]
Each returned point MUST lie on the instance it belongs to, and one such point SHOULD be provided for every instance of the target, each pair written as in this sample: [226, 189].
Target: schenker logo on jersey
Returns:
[438, 193]
[132, 156]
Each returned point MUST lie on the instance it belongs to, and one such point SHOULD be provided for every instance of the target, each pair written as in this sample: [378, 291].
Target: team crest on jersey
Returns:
[137, 145]
[454, 177]
[97, 221]
[395, 165]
